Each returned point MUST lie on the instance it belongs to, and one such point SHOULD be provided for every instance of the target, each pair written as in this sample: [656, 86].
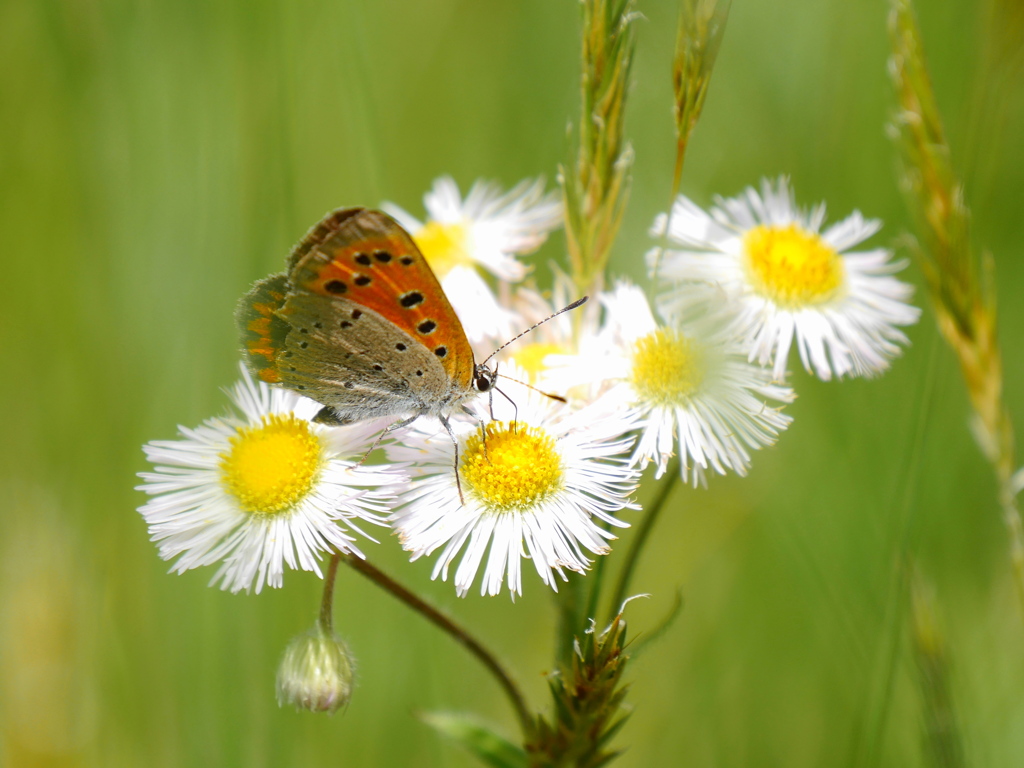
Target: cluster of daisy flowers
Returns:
[700, 378]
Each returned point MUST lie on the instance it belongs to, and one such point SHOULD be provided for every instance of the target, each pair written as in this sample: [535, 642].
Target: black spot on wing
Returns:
[426, 327]
[337, 287]
[441, 351]
[411, 299]
[362, 280]
[382, 256]
[362, 258]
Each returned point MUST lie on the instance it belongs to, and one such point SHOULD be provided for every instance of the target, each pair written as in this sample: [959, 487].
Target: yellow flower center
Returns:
[531, 357]
[791, 266]
[518, 469]
[270, 468]
[668, 367]
[445, 246]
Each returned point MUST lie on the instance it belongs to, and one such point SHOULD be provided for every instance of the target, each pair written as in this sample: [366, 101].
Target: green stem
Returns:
[457, 633]
[569, 599]
[597, 581]
[642, 534]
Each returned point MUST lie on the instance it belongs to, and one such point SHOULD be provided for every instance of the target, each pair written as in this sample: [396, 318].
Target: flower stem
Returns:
[327, 601]
[457, 633]
[597, 582]
[642, 534]
[571, 624]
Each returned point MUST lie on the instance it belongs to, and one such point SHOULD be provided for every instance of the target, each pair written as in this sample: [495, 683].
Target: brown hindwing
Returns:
[262, 332]
[350, 358]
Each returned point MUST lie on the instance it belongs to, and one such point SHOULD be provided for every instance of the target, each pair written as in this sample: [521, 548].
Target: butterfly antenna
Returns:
[559, 398]
[577, 303]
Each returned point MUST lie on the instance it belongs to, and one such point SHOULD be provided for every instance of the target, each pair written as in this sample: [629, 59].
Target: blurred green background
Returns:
[157, 156]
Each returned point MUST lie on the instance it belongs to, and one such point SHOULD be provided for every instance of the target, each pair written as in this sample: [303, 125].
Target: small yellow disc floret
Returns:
[445, 246]
[519, 468]
[668, 367]
[271, 467]
[791, 266]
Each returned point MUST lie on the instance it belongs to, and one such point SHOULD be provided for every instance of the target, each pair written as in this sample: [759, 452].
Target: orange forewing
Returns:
[367, 258]
[319, 232]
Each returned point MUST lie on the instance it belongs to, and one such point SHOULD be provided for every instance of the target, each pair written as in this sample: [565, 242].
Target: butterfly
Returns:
[360, 324]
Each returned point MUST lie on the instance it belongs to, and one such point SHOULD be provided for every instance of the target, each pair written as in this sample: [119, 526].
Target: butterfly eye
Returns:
[483, 382]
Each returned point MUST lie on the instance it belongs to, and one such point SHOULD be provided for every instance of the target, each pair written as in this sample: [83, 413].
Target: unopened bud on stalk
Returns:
[316, 672]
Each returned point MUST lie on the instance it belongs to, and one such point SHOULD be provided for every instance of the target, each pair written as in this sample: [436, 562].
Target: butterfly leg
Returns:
[384, 433]
[483, 429]
[490, 394]
[455, 444]
[515, 412]
[490, 410]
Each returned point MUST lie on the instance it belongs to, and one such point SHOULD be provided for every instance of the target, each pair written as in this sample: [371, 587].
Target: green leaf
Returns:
[479, 739]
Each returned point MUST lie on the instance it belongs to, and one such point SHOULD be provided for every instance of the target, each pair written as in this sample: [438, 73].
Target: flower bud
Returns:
[316, 672]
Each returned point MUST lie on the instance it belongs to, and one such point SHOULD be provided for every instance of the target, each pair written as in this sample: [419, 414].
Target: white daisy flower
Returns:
[545, 486]
[258, 492]
[689, 381]
[793, 281]
[486, 229]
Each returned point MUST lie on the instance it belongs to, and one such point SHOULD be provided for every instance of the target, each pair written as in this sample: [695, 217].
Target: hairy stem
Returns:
[453, 630]
[327, 601]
